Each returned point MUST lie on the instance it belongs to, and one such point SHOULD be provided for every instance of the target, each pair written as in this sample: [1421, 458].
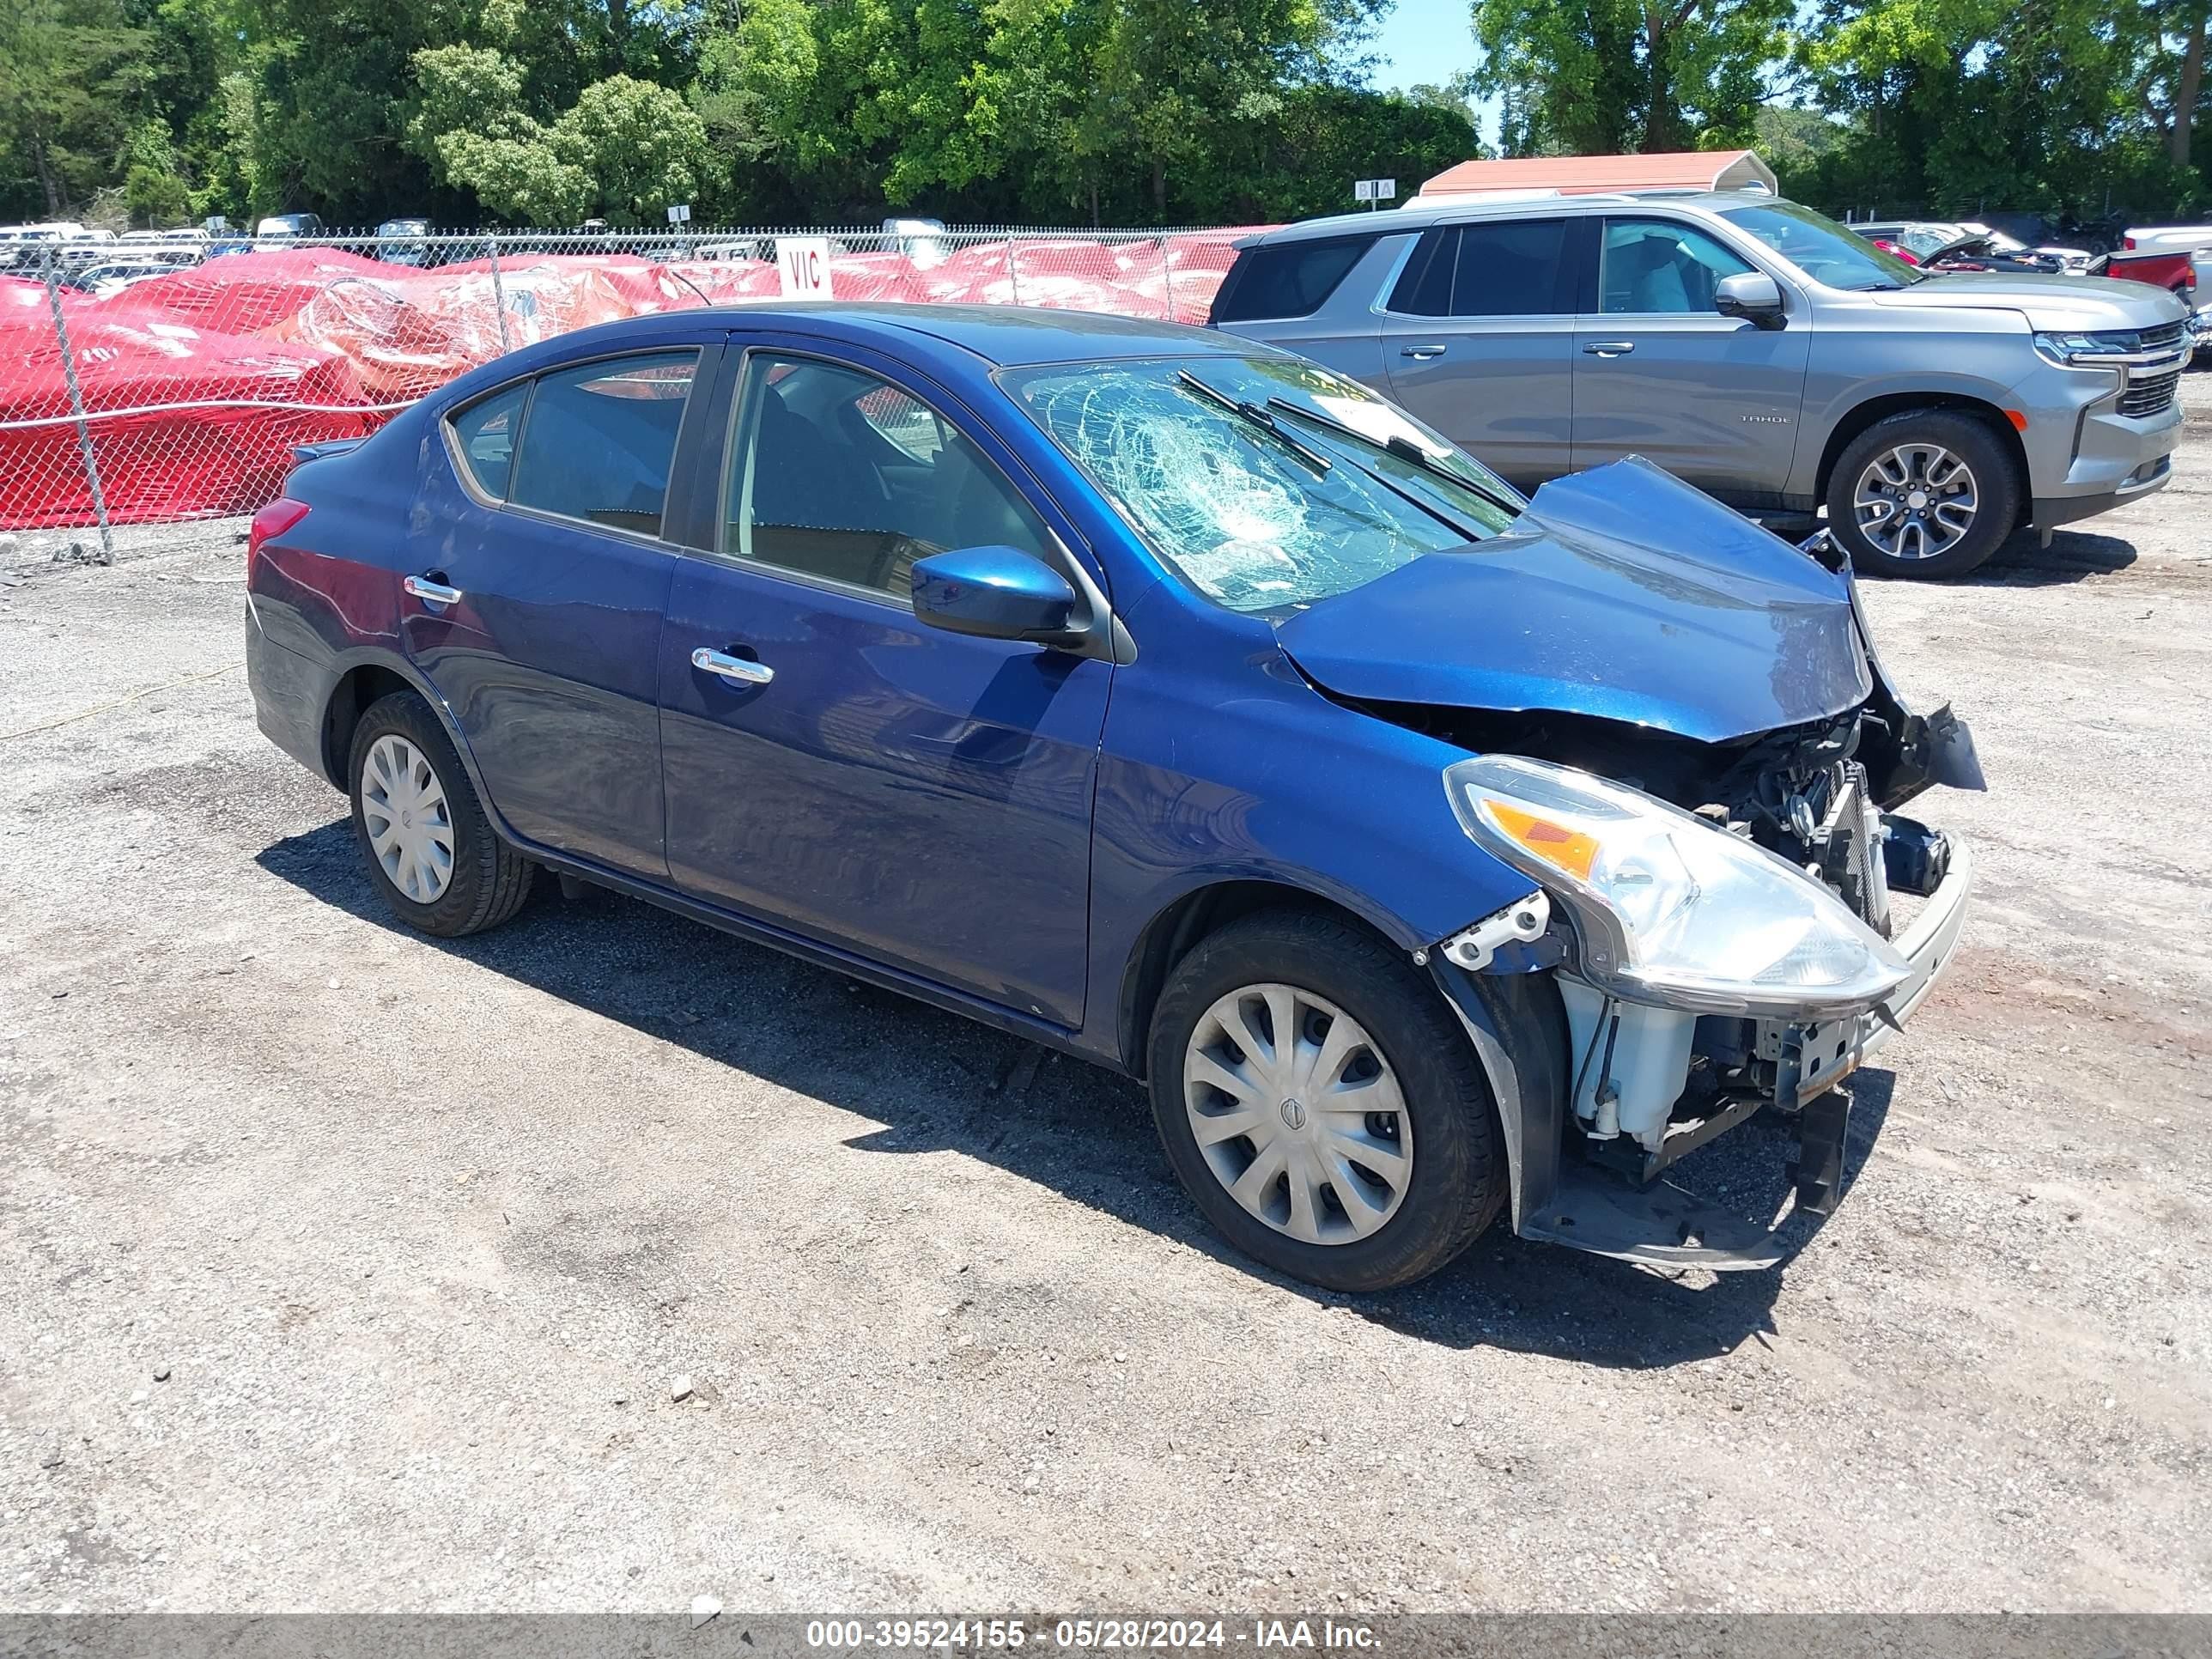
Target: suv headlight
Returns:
[2087, 350]
[1669, 908]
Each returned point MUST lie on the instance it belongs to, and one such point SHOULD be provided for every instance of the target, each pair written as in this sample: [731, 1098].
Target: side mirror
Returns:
[997, 594]
[1752, 295]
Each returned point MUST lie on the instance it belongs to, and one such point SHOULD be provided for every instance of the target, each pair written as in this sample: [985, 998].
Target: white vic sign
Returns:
[803, 262]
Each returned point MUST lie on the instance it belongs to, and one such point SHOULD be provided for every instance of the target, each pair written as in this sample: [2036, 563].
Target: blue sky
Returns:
[1427, 40]
[1424, 41]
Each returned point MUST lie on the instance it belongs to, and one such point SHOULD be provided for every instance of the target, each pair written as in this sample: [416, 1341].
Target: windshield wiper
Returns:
[1259, 418]
[1399, 445]
[1455, 519]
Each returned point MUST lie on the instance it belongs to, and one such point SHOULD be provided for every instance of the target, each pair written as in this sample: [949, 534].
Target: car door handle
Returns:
[1609, 348]
[736, 670]
[423, 587]
[1421, 353]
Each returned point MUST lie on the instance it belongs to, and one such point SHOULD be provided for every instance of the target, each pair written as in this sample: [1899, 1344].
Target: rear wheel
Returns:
[429, 848]
[1929, 494]
[1319, 1102]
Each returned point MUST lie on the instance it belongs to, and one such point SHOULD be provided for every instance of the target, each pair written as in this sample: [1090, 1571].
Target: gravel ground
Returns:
[344, 1270]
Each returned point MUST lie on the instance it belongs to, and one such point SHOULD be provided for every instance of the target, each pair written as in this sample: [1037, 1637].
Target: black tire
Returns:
[489, 879]
[1458, 1181]
[1996, 478]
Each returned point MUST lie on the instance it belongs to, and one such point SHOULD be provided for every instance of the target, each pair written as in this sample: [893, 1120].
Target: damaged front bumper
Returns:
[1623, 1206]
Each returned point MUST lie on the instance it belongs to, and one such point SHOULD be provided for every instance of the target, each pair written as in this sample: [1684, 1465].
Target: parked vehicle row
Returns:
[2158, 239]
[1172, 701]
[76, 250]
[1968, 247]
[1748, 345]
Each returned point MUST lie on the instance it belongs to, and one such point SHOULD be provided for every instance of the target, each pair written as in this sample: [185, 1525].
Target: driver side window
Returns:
[841, 476]
[1660, 266]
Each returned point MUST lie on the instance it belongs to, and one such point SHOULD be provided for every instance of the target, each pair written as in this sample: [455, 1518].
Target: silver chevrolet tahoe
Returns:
[1748, 345]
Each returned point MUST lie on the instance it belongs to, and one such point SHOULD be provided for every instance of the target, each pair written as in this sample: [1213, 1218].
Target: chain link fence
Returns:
[149, 379]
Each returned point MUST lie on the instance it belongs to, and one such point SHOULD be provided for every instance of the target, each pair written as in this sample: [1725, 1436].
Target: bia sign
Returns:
[804, 263]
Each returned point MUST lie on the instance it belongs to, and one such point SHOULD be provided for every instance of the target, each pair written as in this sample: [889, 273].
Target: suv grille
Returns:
[2153, 396]
[2164, 334]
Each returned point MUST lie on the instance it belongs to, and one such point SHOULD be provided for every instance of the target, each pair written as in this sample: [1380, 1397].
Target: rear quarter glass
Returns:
[1287, 279]
[485, 431]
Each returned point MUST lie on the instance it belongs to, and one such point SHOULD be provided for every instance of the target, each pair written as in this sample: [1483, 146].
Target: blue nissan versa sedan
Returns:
[1429, 852]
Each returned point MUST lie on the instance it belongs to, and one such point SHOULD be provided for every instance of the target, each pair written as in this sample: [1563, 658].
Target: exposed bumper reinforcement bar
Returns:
[1559, 1200]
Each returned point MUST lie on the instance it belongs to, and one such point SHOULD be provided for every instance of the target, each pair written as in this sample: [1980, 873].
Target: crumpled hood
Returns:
[1622, 593]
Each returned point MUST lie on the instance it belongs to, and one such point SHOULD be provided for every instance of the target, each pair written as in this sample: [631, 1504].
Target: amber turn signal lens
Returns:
[1566, 849]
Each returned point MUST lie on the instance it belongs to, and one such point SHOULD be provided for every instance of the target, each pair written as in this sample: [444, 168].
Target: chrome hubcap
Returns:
[1916, 500]
[404, 805]
[1298, 1114]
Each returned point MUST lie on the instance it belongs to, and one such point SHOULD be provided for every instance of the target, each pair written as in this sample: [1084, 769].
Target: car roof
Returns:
[1005, 336]
[1418, 215]
[952, 339]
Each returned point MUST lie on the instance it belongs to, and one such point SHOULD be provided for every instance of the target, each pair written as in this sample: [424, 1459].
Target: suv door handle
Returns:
[736, 670]
[426, 588]
[1421, 352]
[1610, 348]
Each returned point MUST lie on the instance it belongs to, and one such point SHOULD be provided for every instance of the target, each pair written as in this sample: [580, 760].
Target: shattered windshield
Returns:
[1269, 482]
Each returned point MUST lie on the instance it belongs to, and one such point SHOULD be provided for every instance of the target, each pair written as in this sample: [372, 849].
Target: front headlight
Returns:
[2089, 350]
[1668, 908]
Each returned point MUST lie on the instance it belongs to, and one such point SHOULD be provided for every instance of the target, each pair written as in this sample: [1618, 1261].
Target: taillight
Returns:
[274, 519]
[2129, 243]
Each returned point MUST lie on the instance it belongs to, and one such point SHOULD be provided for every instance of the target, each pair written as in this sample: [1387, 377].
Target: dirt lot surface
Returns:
[341, 1269]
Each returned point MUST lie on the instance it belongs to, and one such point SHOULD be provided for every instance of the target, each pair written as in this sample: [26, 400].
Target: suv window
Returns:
[1510, 268]
[1820, 247]
[598, 440]
[1661, 265]
[841, 475]
[1291, 279]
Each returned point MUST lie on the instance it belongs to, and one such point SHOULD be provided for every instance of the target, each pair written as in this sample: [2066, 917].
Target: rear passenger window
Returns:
[1510, 269]
[486, 431]
[1425, 289]
[598, 440]
[1289, 280]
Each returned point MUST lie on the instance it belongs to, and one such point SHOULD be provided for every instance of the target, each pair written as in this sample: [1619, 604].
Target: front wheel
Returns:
[1929, 494]
[1322, 1106]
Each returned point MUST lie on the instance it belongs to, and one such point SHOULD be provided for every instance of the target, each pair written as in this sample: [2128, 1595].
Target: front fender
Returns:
[1254, 776]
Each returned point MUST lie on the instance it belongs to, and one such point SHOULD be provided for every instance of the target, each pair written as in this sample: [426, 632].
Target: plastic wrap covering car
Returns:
[197, 383]
[181, 418]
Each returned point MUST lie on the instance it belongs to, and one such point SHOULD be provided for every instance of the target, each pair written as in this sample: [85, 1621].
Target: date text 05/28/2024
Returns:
[1099, 1635]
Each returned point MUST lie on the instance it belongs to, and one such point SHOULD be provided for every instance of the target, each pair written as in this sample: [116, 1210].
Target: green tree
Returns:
[72, 79]
[1607, 77]
[640, 146]
[624, 150]
[153, 189]
[1961, 106]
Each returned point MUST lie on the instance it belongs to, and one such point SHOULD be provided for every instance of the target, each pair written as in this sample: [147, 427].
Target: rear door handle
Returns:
[1421, 352]
[424, 587]
[736, 670]
[1609, 348]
